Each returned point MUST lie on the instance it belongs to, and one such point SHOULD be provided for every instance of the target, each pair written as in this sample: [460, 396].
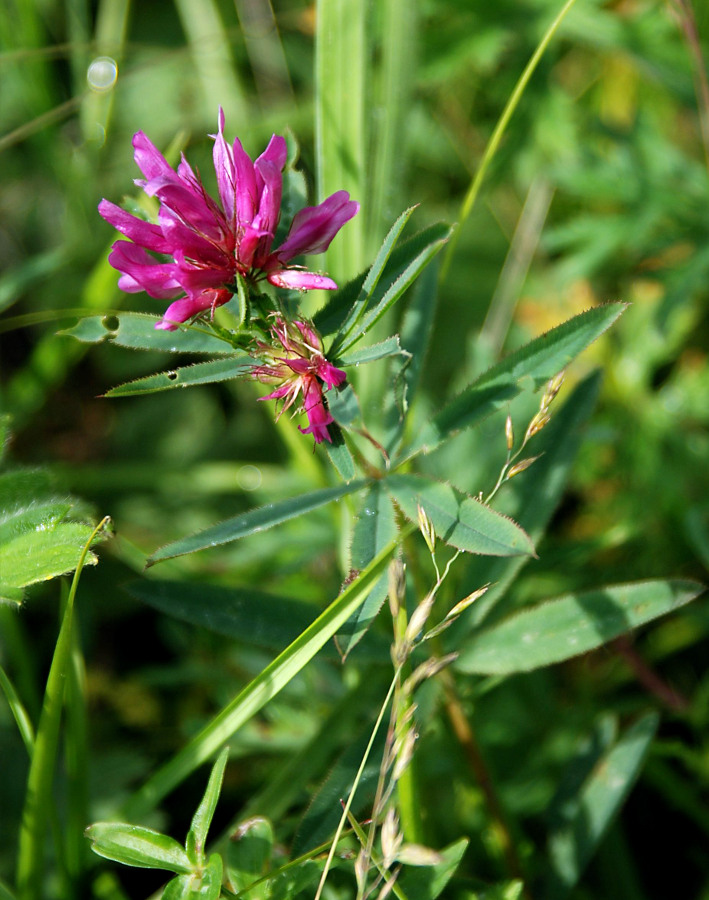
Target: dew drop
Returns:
[102, 74]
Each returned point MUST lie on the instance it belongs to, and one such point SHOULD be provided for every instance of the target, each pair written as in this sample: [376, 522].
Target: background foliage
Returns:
[600, 192]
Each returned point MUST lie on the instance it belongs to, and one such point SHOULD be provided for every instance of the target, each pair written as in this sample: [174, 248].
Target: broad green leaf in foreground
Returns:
[590, 813]
[135, 845]
[261, 689]
[185, 376]
[530, 366]
[253, 521]
[570, 625]
[458, 519]
[40, 555]
[137, 331]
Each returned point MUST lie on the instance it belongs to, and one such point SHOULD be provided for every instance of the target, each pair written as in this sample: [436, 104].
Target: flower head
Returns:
[296, 363]
[209, 242]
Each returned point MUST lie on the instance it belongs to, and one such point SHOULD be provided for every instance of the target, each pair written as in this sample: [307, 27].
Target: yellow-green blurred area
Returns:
[599, 192]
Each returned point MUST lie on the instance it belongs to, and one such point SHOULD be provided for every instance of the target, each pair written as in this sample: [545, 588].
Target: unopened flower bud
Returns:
[552, 389]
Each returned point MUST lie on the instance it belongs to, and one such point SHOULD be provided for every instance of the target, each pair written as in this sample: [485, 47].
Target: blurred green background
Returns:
[600, 192]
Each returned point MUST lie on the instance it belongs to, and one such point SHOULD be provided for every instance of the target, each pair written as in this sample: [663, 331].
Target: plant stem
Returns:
[465, 735]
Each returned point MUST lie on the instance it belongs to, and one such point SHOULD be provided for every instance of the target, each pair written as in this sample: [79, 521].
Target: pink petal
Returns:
[149, 159]
[184, 309]
[143, 272]
[299, 280]
[142, 233]
[331, 375]
[314, 227]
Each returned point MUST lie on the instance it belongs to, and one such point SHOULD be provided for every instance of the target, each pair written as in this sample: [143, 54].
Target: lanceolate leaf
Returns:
[137, 331]
[389, 347]
[375, 273]
[427, 884]
[253, 521]
[185, 376]
[374, 529]
[567, 626]
[264, 620]
[330, 318]
[394, 293]
[589, 814]
[531, 366]
[135, 845]
[202, 818]
[459, 520]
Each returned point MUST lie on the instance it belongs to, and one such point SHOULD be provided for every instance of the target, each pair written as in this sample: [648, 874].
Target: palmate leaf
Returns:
[458, 519]
[253, 521]
[185, 376]
[530, 366]
[570, 625]
[137, 332]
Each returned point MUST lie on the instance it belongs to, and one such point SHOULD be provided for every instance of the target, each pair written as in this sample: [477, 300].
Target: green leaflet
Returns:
[265, 620]
[338, 309]
[388, 347]
[531, 366]
[185, 376]
[588, 815]
[41, 555]
[135, 845]
[396, 289]
[570, 625]
[374, 529]
[137, 331]
[459, 520]
[428, 883]
[253, 521]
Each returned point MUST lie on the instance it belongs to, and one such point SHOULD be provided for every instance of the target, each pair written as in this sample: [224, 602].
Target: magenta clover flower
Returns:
[209, 242]
[299, 368]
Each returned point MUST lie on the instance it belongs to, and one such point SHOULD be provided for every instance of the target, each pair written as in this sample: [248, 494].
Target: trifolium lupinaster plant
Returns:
[230, 268]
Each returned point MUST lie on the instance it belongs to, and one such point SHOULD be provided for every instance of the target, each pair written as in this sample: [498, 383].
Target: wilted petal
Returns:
[300, 280]
[318, 417]
[143, 233]
[314, 227]
[331, 375]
